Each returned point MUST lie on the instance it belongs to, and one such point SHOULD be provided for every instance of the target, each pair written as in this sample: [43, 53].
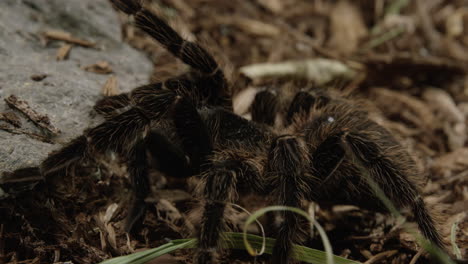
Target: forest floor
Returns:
[410, 59]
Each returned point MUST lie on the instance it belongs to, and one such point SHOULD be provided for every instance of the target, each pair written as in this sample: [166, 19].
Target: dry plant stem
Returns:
[67, 37]
[416, 257]
[41, 120]
[383, 255]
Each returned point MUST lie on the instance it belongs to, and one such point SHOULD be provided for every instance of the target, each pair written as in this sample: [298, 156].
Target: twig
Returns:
[11, 118]
[67, 37]
[393, 33]
[416, 257]
[381, 256]
[19, 131]
[42, 121]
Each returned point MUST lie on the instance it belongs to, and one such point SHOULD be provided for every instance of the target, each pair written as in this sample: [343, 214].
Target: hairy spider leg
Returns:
[170, 160]
[110, 106]
[220, 182]
[301, 103]
[219, 188]
[264, 108]
[215, 90]
[193, 133]
[391, 179]
[58, 161]
[286, 173]
[138, 173]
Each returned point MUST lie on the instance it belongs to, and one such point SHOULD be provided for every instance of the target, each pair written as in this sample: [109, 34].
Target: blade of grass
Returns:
[233, 241]
[147, 255]
[323, 235]
[453, 240]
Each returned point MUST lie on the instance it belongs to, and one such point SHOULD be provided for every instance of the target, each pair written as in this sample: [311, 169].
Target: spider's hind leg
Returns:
[391, 168]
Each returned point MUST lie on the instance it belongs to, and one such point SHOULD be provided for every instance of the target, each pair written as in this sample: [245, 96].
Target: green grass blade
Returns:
[453, 240]
[230, 240]
[323, 235]
[147, 255]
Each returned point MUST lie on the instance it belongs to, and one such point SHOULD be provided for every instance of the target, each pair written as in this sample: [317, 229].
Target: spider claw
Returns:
[135, 217]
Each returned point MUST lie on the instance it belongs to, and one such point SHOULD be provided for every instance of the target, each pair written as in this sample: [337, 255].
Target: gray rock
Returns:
[68, 93]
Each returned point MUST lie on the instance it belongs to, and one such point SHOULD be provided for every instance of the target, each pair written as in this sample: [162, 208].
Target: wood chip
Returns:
[100, 67]
[19, 131]
[67, 37]
[111, 87]
[38, 77]
[11, 118]
[41, 120]
[63, 52]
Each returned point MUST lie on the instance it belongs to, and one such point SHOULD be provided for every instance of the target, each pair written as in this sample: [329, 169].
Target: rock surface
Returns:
[68, 92]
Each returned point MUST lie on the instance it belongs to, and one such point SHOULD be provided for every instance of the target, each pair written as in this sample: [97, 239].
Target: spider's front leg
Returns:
[220, 181]
[170, 160]
[286, 172]
[196, 143]
[265, 107]
[110, 106]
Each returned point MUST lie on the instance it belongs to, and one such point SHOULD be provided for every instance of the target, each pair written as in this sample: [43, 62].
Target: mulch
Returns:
[412, 63]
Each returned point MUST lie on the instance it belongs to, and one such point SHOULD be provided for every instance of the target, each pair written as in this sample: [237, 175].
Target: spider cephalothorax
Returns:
[322, 150]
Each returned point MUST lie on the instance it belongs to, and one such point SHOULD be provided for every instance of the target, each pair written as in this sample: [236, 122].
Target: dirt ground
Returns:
[411, 62]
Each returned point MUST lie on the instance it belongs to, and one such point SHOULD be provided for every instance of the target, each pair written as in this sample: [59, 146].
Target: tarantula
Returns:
[186, 125]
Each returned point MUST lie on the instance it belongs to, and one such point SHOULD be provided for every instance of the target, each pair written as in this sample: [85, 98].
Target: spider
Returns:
[186, 125]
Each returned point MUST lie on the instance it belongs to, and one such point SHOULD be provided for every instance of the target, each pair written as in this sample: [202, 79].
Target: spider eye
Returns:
[330, 119]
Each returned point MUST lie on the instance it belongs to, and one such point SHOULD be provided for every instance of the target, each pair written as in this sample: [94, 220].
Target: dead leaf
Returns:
[450, 163]
[408, 107]
[454, 22]
[450, 117]
[347, 27]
